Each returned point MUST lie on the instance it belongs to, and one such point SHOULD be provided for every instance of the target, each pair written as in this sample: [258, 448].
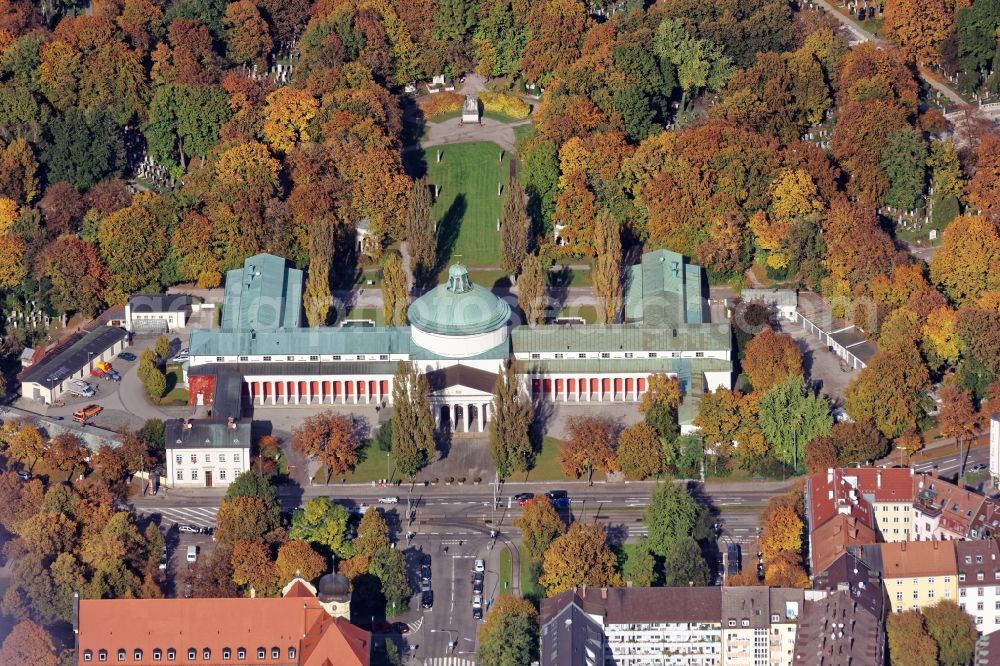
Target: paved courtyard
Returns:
[820, 364]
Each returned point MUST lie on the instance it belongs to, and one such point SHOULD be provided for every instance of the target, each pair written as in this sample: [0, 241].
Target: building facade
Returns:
[47, 379]
[979, 582]
[759, 625]
[157, 313]
[460, 335]
[918, 574]
[890, 492]
[943, 510]
[206, 452]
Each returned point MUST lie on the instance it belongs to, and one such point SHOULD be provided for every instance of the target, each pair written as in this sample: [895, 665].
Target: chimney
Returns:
[583, 591]
[829, 475]
[902, 546]
[878, 479]
[935, 541]
[604, 593]
[253, 593]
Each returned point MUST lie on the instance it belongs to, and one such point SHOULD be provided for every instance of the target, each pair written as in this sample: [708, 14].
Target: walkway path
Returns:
[862, 35]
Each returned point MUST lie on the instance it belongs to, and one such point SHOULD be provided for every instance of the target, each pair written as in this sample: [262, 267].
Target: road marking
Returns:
[448, 661]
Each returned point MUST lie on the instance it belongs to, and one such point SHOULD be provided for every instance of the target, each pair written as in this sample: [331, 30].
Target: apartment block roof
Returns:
[836, 631]
[852, 574]
[918, 559]
[296, 622]
[833, 538]
[569, 636]
[626, 605]
[891, 484]
[755, 607]
[986, 522]
[832, 493]
[955, 505]
[979, 561]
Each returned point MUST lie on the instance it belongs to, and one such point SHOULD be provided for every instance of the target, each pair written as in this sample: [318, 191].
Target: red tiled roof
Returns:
[831, 540]
[903, 559]
[296, 622]
[957, 506]
[830, 494]
[892, 484]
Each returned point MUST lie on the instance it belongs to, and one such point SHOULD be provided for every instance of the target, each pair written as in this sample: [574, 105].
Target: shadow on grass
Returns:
[447, 230]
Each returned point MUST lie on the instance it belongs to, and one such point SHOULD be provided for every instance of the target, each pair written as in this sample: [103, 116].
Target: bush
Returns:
[449, 479]
[478, 479]
[441, 103]
[461, 479]
[504, 104]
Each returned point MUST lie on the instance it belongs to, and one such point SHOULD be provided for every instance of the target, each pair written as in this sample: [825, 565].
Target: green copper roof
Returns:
[264, 295]
[459, 307]
[664, 290]
[621, 337]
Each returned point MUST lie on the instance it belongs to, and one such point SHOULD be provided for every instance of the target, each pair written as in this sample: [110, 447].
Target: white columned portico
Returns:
[481, 413]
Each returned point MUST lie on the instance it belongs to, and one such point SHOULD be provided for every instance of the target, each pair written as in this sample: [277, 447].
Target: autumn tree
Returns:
[389, 566]
[413, 444]
[606, 275]
[66, 452]
[317, 296]
[957, 417]
[297, 558]
[919, 27]
[964, 265]
[785, 570]
[373, 534]
[540, 525]
[659, 404]
[790, 417]
[515, 228]
[246, 519]
[511, 417]
[288, 116]
[781, 530]
[953, 630]
[330, 438]
[395, 290]
[133, 244]
[909, 642]
[186, 56]
[26, 444]
[28, 643]
[889, 392]
[771, 358]
[579, 557]
[589, 445]
[421, 232]
[252, 566]
[640, 453]
[555, 32]
[531, 290]
[324, 523]
[509, 634]
[247, 36]
[76, 273]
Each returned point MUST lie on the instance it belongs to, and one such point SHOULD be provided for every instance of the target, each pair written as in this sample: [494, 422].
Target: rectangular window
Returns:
[582, 355]
[336, 357]
[961, 577]
[930, 580]
[383, 357]
[360, 357]
[536, 356]
[194, 475]
[899, 596]
[222, 475]
[979, 592]
[559, 355]
[675, 354]
[699, 354]
[652, 354]
[605, 354]
[208, 457]
[930, 594]
[979, 606]
[244, 358]
[289, 358]
[314, 357]
[236, 457]
[916, 594]
[180, 475]
[178, 458]
[961, 592]
[222, 457]
[628, 354]
[947, 579]
[267, 358]
[220, 359]
[194, 458]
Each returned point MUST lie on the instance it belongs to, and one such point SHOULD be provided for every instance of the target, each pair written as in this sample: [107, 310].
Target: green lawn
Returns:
[503, 586]
[530, 589]
[374, 313]
[564, 276]
[176, 394]
[370, 467]
[468, 207]
[588, 312]
[547, 467]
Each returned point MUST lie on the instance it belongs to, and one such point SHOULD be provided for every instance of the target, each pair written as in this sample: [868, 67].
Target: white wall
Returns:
[228, 462]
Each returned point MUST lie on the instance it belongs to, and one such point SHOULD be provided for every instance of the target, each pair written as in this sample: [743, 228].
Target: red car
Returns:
[523, 498]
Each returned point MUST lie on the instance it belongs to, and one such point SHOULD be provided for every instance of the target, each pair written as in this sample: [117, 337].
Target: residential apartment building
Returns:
[300, 628]
[986, 522]
[858, 602]
[831, 496]
[942, 510]
[835, 537]
[890, 492]
[759, 625]
[979, 582]
[917, 574]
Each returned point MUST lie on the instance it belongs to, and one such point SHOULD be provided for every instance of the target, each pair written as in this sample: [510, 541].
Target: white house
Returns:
[157, 313]
[206, 452]
[979, 582]
[47, 379]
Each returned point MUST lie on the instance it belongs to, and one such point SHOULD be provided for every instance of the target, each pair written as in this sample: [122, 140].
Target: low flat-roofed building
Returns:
[157, 313]
[47, 379]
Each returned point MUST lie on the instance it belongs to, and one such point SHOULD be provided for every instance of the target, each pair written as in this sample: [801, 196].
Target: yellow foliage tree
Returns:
[965, 265]
[12, 268]
[287, 116]
[573, 158]
[939, 334]
[8, 214]
[579, 557]
[793, 196]
[782, 530]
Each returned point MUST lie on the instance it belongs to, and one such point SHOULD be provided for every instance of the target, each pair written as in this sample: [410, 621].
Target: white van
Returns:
[80, 388]
[192, 555]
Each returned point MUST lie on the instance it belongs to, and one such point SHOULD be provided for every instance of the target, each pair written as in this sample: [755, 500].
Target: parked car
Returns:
[127, 356]
[425, 585]
[192, 554]
[388, 500]
[112, 375]
[400, 628]
[477, 613]
[477, 601]
[181, 357]
[84, 414]
[25, 476]
[978, 467]
[522, 498]
[425, 571]
[427, 600]
[477, 584]
[480, 566]
[190, 529]
[558, 498]
[80, 388]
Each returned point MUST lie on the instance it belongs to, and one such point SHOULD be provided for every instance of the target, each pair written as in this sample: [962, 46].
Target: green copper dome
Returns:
[459, 307]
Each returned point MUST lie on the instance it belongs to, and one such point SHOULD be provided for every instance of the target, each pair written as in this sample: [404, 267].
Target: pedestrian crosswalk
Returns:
[448, 661]
[202, 516]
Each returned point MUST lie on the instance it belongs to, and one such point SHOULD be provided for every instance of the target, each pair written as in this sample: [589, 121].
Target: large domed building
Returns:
[459, 335]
